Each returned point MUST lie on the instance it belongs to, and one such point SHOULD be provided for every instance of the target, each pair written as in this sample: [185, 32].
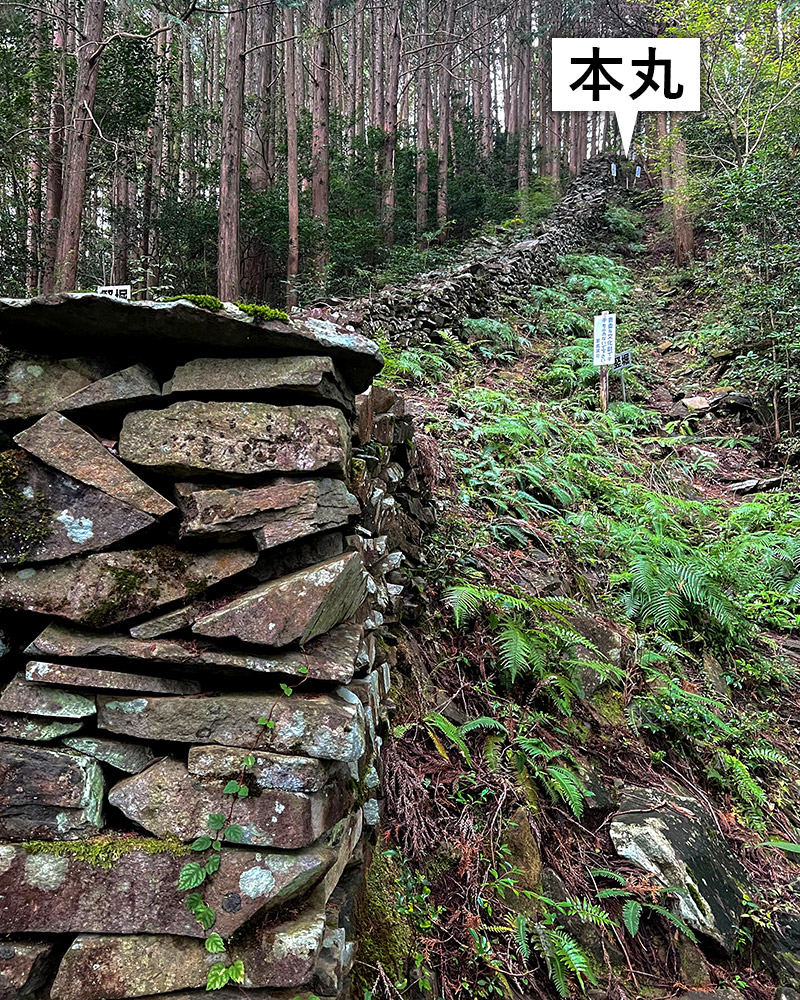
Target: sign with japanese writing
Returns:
[626, 76]
[623, 360]
[115, 291]
[605, 336]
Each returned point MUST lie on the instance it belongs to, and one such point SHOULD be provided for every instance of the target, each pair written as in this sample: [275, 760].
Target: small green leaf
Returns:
[205, 916]
[236, 971]
[201, 844]
[215, 944]
[270, 723]
[243, 792]
[234, 833]
[248, 761]
[217, 976]
[263, 720]
[191, 876]
[231, 788]
[783, 845]
[286, 690]
[302, 670]
[217, 845]
[216, 821]
[212, 864]
[631, 912]
[194, 901]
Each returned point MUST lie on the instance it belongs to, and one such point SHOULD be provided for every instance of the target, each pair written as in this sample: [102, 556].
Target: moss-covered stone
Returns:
[105, 851]
[25, 515]
[204, 301]
[262, 312]
[384, 935]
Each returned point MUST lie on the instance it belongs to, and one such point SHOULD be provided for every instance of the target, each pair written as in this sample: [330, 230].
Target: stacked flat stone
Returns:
[184, 539]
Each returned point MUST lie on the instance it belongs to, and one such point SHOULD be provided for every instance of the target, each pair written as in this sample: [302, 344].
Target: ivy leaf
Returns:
[286, 690]
[236, 971]
[216, 821]
[243, 792]
[191, 876]
[205, 916]
[215, 944]
[212, 864]
[234, 833]
[217, 845]
[194, 901]
[201, 844]
[263, 721]
[248, 761]
[231, 788]
[217, 977]
[270, 723]
[302, 670]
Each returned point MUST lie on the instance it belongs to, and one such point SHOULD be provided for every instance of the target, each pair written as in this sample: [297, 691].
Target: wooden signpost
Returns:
[605, 336]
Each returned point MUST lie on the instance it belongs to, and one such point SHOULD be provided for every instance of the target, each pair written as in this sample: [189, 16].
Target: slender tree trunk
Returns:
[444, 118]
[423, 141]
[230, 176]
[293, 255]
[34, 228]
[54, 163]
[120, 213]
[524, 154]
[682, 220]
[390, 130]
[320, 135]
[77, 154]
[486, 93]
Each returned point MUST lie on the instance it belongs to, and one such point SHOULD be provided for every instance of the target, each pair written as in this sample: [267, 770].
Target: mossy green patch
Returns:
[610, 706]
[26, 518]
[262, 312]
[105, 851]
[204, 301]
[384, 935]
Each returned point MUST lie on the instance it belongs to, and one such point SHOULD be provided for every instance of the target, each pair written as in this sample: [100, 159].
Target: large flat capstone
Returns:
[59, 442]
[311, 378]
[333, 656]
[312, 725]
[47, 515]
[166, 799]
[138, 894]
[278, 513]
[108, 587]
[236, 438]
[675, 839]
[48, 794]
[178, 330]
[293, 608]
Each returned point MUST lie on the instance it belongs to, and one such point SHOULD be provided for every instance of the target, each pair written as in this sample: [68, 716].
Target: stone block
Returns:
[128, 757]
[105, 680]
[31, 386]
[24, 967]
[33, 729]
[133, 384]
[19, 695]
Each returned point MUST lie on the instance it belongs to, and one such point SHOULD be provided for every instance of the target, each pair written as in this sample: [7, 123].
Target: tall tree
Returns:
[320, 135]
[290, 84]
[230, 175]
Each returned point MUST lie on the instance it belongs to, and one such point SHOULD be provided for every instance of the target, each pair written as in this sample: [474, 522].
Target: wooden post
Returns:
[604, 388]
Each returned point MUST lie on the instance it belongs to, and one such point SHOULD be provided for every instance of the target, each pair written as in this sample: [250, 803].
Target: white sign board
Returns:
[623, 360]
[626, 76]
[115, 291]
[605, 336]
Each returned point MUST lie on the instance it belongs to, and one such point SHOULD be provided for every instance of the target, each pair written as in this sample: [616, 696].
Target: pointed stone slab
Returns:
[25, 966]
[109, 587]
[312, 378]
[61, 894]
[105, 680]
[136, 383]
[128, 757]
[331, 657]
[269, 770]
[171, 621]
[38, 699]
[49, 794]
[167, 800]
[236, 438]
[33, 729]
[278, 513]
[295, 607]
[312, 725]
[67, 517]
[180, 330]
[31, 385]
[59, 442]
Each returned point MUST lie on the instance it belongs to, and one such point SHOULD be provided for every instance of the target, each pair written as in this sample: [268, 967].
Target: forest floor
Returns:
[601, 610]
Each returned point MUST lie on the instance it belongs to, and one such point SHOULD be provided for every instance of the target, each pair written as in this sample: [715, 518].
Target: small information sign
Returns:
[605, 335]
[623, 360]
[115, 291]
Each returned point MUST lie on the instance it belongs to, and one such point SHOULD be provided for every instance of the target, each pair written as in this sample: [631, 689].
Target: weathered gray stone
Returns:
[333, 656]
[281, 512]
[34, 730]
[313, 725]
[128, 757]
[181, 330]
[674, 838]
[165, 799]
[778, 947]
[312, 378]
[30, 386]
[170, 621]
[236, 438]
[37, 699]
[138, 894]
[136, 383]
[105, 680]
[48, 794]
[270, 770]
[24, 967]
[294, 608]
[109, 587]
[72, 450]
[48, 515]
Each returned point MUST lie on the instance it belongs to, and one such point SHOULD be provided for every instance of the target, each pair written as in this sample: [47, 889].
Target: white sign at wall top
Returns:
[605, 337]
[115, 291]
[626, 76]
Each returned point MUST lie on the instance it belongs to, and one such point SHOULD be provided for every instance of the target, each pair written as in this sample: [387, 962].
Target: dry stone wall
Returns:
[198, 556]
